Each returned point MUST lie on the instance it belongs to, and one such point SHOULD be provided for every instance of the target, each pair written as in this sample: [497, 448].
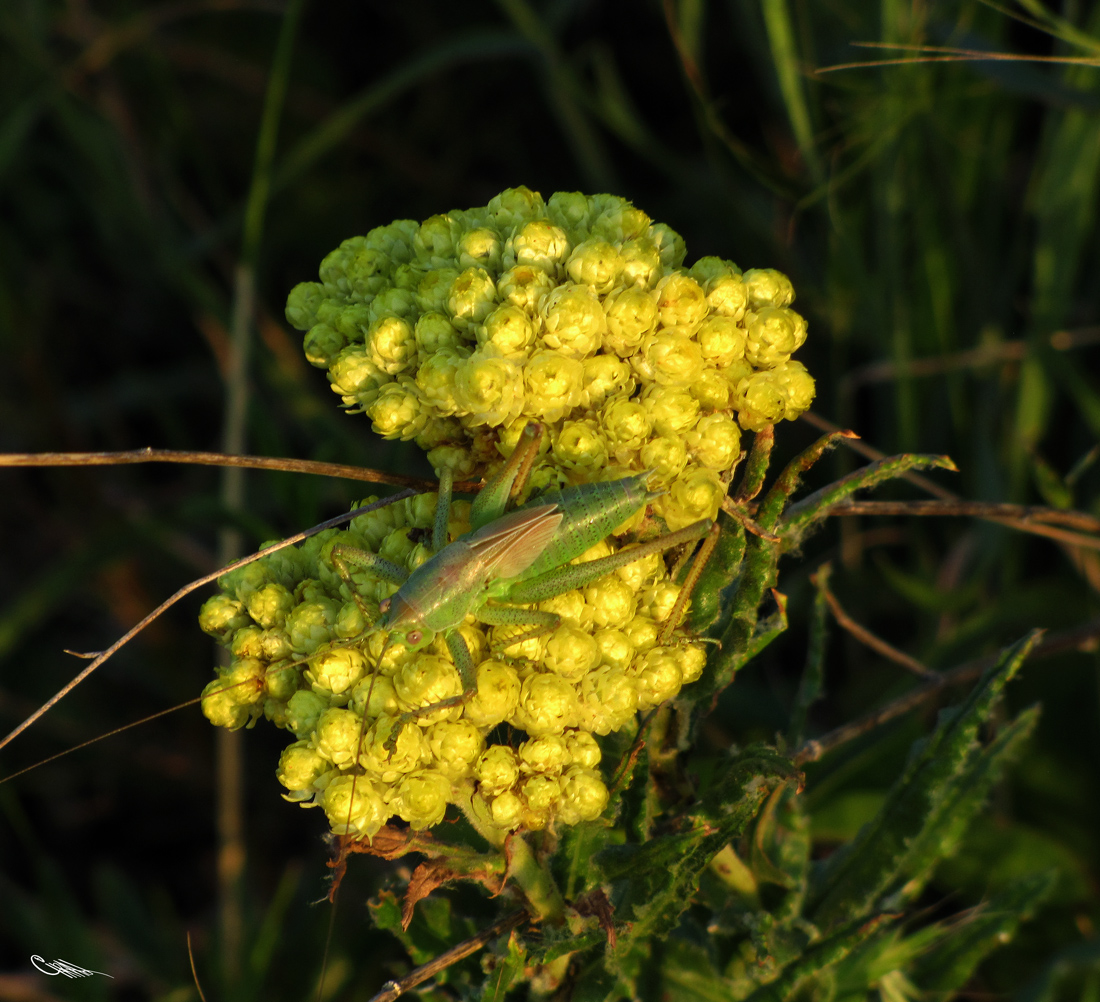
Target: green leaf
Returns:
[851, 881]
[506, 970]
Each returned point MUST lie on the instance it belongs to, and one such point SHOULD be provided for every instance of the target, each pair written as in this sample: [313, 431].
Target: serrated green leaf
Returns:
[507, 970]
[851, 881]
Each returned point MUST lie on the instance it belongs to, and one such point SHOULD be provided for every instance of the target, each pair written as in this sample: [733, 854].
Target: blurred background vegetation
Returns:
[938, 219]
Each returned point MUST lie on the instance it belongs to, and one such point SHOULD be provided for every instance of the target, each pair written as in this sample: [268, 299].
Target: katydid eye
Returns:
[384, 605]
[414, 637]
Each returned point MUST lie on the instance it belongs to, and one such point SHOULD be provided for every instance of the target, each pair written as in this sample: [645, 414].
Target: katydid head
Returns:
[404, 625]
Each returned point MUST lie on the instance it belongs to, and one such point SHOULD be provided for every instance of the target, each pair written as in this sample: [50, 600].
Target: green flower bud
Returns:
[456, 747]
[681, 301]
[473, 297]
[631, 315]
[584, 796]
[337, 736]
[488, 390]
[605, 376]
[611, 600]
[596, 264]
[570, 653]
[392, 345]
[570, 211]
[354, 806]
[721, 341]
[642, 631]
[708, 270]
[666, 456]
[394, 302]
[713, 390]
[302, 303]
[584, 750]
[761, 399]
[580, 447]
[456, 458]
[728, 297]
[697, 493]
[388, 658]
[669, 244]
[248, 642]
[692, 659]
[304, 709]
[440, 431]
[398, 411]
[546, 756]
[573, 320]
[434, 243]
[641, 264]
[336, 672]
[433, 333]
[714, 442]
[221, 616]
[333, 269]
[553, 385]
[375, 696]
[300, 767]
[626, 425]
[767, 287]
[615, 648]
[515, 206]
[673, 409]
[524, 287]
[799, 386]
[396, 547]
[547, 705]
[421, 798]
[270, 605]
[281, 681]
[322, 345]
[509, 331]
[506, 810]
[496, 770]
[330, 310]
[539, 243]
[771, 335]
[433, 289]
[356, 378]
[222, 709]
[395, 240]
[608, 700]
[243, 581]
[570, 606]
[658, 678]
[426, 681]
[245, 680]
[480, 247]
[376, 525]
[436, 379]
[310, 624]
[367, 273]
[410, 749]
[668, 359]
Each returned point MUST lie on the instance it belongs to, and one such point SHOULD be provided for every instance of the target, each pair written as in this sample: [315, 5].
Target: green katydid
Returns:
[508, 559]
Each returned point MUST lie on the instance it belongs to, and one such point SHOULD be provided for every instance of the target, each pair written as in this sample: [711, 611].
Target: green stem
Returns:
[535, 881]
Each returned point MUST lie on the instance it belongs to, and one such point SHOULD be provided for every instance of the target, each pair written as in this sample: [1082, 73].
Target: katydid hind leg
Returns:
[442, 509]
[343, 555]
[539, 620]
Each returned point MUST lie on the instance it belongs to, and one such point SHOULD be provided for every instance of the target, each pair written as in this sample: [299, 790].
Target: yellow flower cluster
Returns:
[576, 312]
[306, 657]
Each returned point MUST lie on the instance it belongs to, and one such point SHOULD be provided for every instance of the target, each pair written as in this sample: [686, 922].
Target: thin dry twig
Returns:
[866, 637]
[979, 509]
[734, 510]
[395, 989]
[194, 973]
[285, 465]
[1082, 637]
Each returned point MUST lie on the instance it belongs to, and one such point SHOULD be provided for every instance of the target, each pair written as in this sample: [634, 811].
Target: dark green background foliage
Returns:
[941, 214]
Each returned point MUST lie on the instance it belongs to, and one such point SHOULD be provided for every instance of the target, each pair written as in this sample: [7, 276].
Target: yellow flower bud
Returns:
[728, 296]
[480, 248]
[642, 572]
[631, 315]
[669, 243]
[336, 672]
[714, 442]
[375, 696]
[547, 705]
[546, 755]
[221, 708]
[570, 652]
[692, 659]
[539, 243]
[799, 384]
[611, 600]
[506, 810]
[509, 331]
[680, 301]
[433, 289]
[322, 345]
[393, 303]
[410, 749]
[721, 341]
[425, 681]
[673, 409]
[304, 709]
[222, 616]
[420, 798]
[608, 700]
[595, 263]
[434, 332]
[300, 767]
[583, 749]
[571, 607]
[713, 390]
[668, 359]
[584, 796]
[641, 263]
[761, 399]
[354, 806]
[496, 770]
[666, 456]
[615, 648]
[473, 297]
[337, 736]
[657, 601]
[605, 376]
[515, 206]
[455, 747]
[573, 321]
[579, 446]
[356, 378]
[553, 385]
[524, 287]
[642, 631]
[542, 794]
[398, 411]
[456, 458]
[771, 335]
[767, 287]
[658, 678]
[497, 694]
[488, 390]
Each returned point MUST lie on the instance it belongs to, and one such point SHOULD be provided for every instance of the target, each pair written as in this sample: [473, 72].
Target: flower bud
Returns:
[710, 269]
[721, 341]
[643, 631]
[248, 642]
[669, 359]
[728, 297]
[615, 648]
[432, 288]
[434, 242]
[302, 303]
[459, 460]
[311, 624]
[547, 705]
[336, 672]
[221, 708]
[509, 331]
[299, 769]
[596, 264]
[681, 301]
[356, 378]
[771, 335]
[713, 390]
[437, 376]
[392, 344]
[573, 321]
[221, 616]
[354, 806]
[539, 243]
[421, 798]
[322, 345]
[553, 384]
[642, 572]
[608, 700]
[546, 755]
[473, 297]
[570, 210]
[697, 493]
[337, 736]
[570, 652]
[658, 678]
[799, 387]
[434, 332]
[580, 447]
[541, 794]
[515, 206]
[497, 770]
[669, 244]
[767, 287]
[304, 709]
[761, 399]
[281, 681]
[455, 747]
[617, 220]
[426, 681]
[583, 749]
[375, 696]
[692, 659]
[270, 605]
[480, 247]
[605, 376]
[631, 315]
[666, 456]
[524, 287]
[714, 442]
[368, 273]
[641, 264]
[497, 695]
[506, 810]
[584, 796]
[611, 600]
[488, 390]
[570, 607]
[394, 302]
[410, 749]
